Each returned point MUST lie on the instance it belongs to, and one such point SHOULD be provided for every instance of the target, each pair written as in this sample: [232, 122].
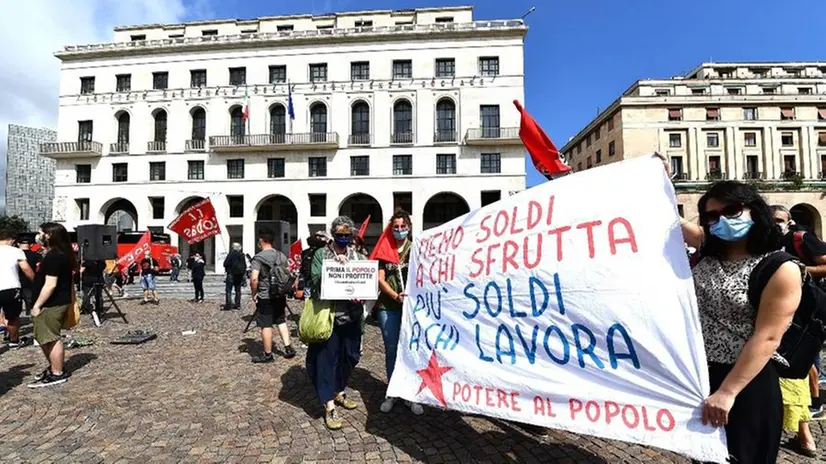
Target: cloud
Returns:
[32, 30]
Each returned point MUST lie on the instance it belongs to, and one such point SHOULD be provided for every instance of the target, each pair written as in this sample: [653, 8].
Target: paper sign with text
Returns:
[570, 305]
[356, 280]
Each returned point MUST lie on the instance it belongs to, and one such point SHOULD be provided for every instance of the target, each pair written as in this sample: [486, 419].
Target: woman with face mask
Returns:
[735, 232]
[330, 363]
[392, 279]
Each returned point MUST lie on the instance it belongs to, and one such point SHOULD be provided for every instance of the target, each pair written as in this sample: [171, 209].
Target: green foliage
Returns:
[14, 224]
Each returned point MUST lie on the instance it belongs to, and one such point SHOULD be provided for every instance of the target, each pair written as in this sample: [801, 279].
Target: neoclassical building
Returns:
[294, 118]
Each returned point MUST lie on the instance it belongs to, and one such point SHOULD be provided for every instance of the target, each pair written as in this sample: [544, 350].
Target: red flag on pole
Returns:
[294, 260]
[141, 248]
[385, 249]
[197, 223]
[363, 228]
[543, 152]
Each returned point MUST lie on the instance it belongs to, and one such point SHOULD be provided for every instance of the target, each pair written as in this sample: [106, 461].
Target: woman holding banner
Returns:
[330, 363]
[735, 232]
[392, 279]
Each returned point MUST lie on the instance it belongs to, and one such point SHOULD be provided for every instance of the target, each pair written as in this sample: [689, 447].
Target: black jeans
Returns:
[234, 283]
[198, 282]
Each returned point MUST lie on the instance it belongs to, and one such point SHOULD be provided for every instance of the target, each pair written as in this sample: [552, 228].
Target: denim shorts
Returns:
[148, 282]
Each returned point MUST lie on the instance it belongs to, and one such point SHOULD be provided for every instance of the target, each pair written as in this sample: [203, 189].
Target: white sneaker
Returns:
[415, 408]
[387, 404]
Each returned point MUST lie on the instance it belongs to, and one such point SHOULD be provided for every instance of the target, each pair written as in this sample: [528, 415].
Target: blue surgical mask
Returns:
[400, 234]
[343, 242]
[732, 229]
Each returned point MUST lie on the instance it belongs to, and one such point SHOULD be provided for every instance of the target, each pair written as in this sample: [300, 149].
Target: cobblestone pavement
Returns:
[197, 398]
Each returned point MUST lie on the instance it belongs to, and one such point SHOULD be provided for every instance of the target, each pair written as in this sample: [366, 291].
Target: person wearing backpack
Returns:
[235, 265]
[314, 243]
[269, 280]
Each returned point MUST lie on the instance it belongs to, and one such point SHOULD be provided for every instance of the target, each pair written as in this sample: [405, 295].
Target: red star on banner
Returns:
[432, 378]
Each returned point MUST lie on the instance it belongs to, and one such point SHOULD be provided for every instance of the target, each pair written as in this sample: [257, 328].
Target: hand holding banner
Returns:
[197, 223]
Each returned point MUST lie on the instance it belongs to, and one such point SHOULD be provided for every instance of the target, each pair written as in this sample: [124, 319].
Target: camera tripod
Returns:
[97, 312]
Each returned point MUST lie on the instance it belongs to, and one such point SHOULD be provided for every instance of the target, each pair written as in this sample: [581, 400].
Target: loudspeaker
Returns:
[97, 242]
[280, 230]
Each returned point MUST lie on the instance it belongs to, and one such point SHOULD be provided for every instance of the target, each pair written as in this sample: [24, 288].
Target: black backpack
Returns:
[239, 266]
[804, 338]
[278, 277]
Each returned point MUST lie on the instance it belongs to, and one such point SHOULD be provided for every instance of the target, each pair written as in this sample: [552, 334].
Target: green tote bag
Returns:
[316, 322]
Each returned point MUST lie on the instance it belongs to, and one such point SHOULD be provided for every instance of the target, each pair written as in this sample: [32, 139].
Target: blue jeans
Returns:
[174, 276]
[233, 283]
[330, 363]
[390, 322]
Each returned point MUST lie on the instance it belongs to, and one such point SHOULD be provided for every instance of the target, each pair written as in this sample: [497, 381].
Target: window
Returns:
[318, 72]
[120, 172]
[284, 28]
[138, 37]
[360, 71]
[821, 139]
[734, 91]
[579, 166]
[444, 19]
[712, 140]
[83, 173]
[675, 114]
[278, 122]
[198, 124]
[403, 200]
[318, 119]
[804, 90]
[769, 90]
[363, 23]
[275, 168]
[235, 169]
[360, 165]
[612, 148]
[402, 165]
[176, 36]
[404, 23]
[821, 114]
[157, 170]
[489, 115]
[712, 114]
[714, 165]
[677, 166]
[675, 140]
[787, 139]
[579, 148]
[236, 206]
[726, 73]
[610, 124]
[160, 80]
[360, 124]
[445, 121]
[87, 85]
[160, 126]
[85, 130]
[278, 74]
[752, 168]
[662, 92]
[208, 32]
[237, 76]
[700, 91]
[197, 78]
[157, 204]
[588, 163]
[123, 82]
[318, 166]
[491, 163]
[325, 26]
[598, 155]
[489, 66]
[588, 141]
[790, 164]
[195, 170]
[237, 128]
[445, 67]
[750, 139]
[597, 133]
[83, 207]
[490, 196]
[402, 122]
[786, 114]
[123, 132]
[318, 204]
[750, 114]
[402, 69]
[446, 164]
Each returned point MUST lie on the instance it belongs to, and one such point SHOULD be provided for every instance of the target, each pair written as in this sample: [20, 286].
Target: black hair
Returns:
[764, 236]
[6, 235]
[267, 238]
[58, 239]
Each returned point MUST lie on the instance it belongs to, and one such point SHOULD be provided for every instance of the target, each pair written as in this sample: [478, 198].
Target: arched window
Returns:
[198, 124]
[361, 124]
[278, 122]
[318, 122]
[237, 127]
[445, 121]
[123, 128]
[160, 126]
[402, 122]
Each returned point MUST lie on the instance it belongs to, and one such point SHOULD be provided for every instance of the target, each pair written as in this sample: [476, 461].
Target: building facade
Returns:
[29, 177]
[763, 123]
[294, 118]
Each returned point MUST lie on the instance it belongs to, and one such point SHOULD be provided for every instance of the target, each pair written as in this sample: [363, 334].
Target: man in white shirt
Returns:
[12, 259]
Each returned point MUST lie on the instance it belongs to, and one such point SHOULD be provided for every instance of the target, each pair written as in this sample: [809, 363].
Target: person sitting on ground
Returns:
[235, 266]
[149, 272]
[270, 309]
[12, 263]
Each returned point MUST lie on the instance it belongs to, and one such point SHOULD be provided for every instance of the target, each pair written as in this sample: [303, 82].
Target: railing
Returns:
[65, 148]
[444, 136]
[680, 176]
[359, 139]
[789, 175]
[493, 133]
[715, 175]
[258, 140]
[195, 145]
[119, 148]
[401, 137]
[156, 146]
[753, 175]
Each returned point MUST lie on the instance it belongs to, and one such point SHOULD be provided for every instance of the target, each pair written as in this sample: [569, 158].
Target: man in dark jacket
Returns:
[235, 266]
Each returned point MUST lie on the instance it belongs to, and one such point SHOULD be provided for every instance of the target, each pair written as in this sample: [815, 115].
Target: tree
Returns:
[14, 224]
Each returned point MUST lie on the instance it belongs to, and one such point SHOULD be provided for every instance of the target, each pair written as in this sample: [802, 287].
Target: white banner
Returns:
[570, 305]
[356, 280]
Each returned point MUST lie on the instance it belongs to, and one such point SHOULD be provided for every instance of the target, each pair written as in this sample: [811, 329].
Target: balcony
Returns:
[444, 136]
[401, 138]
[119, 148]
[195, 145]
[753, 175]
[790, 175]
[715, 175]
[156, 147]
[67, 150]
[274, 142]
[493, 136]
[359, 140]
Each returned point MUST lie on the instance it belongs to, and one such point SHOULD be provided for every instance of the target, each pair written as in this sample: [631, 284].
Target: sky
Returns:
[579, 55]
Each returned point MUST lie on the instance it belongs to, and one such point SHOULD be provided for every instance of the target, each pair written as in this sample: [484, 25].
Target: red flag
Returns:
[294, 260]
[385, 249]
[197, 223]
[543, 152]
[141, 248]
[363, 227]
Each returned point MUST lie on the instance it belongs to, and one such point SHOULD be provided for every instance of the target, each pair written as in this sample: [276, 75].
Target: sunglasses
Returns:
[729, 211]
